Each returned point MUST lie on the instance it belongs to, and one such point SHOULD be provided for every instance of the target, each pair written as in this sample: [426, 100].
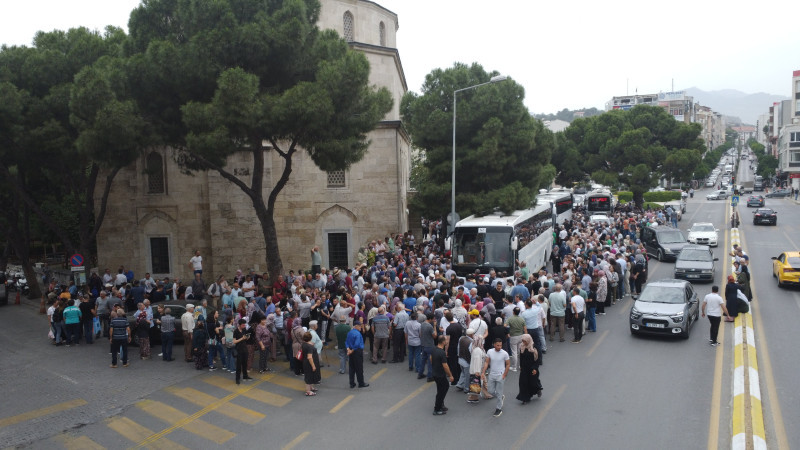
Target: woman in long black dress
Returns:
[529, 384]
[731, 298]
[311, 369]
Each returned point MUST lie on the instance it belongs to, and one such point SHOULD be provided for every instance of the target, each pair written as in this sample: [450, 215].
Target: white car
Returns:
[718, 194]
[710, 183]
[599, 218]
[703, 233]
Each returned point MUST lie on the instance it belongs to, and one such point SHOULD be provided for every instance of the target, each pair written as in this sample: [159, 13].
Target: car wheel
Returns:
[659, 255]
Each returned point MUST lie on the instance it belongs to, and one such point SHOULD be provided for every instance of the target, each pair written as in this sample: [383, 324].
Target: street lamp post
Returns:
[452, 222]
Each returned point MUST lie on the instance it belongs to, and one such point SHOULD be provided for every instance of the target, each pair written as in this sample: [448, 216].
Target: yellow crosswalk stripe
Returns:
[292, 383]
[254, 394]
[198, 426]
[134, 432]
[229, 409]
[36, 413]
[78, 443]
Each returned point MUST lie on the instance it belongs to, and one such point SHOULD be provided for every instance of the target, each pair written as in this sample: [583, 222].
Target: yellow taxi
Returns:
[786, 268]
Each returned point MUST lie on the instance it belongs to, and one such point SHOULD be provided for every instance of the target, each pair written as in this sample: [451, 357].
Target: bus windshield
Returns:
[599, 203]
[483, 247]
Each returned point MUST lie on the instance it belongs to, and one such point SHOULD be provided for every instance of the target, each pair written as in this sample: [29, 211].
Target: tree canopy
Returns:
[635, 148]
[216, 78]
[502, 153]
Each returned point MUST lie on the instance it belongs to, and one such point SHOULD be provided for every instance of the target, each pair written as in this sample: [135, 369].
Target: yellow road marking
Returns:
[78, 443]
[133, 432]
[539, 417]
[377, 374]
[292, 383]
[253, 394]
[52, 409]
[188, 419]
[229, 409]
[716, 390]
[597, 343]
[172, 416]
[341, 404]
[407, 399]
[295, 441]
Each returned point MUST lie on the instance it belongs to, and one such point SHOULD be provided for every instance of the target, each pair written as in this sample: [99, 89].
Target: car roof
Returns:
[695, 247]
[702, 223]
[667, 282]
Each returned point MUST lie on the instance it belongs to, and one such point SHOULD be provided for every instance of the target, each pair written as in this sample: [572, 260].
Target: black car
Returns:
[663, 242]
[765, 215]
[780, 193]
[755, 200]
[696, 262]
[176, 310]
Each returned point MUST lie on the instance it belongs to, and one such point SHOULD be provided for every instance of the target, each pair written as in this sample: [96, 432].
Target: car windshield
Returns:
[703, 228]
[793, 261]
[671, 237]
[663, 294]
[695, 255]
[764, 211]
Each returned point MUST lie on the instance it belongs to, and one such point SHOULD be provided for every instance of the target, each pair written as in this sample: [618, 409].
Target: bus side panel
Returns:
[537, 253]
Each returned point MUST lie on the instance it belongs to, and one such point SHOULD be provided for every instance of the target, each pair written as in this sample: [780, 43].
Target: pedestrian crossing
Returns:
[201, 413]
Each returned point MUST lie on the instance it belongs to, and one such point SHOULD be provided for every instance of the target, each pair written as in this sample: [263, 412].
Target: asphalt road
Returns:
[611, 391]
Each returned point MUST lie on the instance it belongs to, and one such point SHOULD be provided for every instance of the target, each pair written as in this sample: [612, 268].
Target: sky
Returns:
[575, 54]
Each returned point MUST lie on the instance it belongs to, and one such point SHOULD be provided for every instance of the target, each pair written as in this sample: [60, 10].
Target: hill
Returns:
[737, 104]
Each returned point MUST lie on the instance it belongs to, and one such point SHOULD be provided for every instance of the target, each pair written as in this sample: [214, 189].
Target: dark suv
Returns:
[665, 243]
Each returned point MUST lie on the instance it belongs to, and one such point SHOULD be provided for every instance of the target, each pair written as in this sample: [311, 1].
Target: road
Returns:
[611, 391]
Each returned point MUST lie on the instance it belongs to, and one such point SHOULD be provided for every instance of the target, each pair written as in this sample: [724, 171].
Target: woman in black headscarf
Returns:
[732, 298]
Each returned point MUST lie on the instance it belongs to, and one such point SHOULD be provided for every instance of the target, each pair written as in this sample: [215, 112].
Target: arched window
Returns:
[382, 32]
[348, 26]
[155, 174]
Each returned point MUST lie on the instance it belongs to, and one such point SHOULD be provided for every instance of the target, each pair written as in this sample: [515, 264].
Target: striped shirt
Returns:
[167, 323]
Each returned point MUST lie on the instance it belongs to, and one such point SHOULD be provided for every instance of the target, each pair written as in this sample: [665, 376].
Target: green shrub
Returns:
[663, 196]
[624, 196]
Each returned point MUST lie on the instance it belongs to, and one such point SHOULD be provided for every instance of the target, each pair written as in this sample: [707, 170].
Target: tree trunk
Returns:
[274, 262]
[19, 244]
[638, 199]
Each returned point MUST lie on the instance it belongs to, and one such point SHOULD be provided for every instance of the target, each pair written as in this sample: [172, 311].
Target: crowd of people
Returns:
[402, 302]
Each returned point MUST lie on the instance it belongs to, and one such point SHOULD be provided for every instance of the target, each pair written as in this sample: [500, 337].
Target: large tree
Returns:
[635, 148]
[228, 76]
[62, 123]
[502, 152]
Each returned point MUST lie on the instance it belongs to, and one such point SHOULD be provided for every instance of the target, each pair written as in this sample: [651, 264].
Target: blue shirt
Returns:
[410, 303]
[522, 290]
[354, 340]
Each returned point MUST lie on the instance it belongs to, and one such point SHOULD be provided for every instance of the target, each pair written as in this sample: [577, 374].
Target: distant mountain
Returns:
[735, 104]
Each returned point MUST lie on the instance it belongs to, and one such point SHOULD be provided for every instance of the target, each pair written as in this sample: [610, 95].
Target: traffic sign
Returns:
[76, 260]
[78, 268]
[734, 200]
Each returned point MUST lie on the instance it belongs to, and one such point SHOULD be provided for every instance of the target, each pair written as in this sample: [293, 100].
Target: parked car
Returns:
[786, 268]
[666, 307]
[703, 233]
[678, 206]
[718, 194]
[755, 200]
[780, 193]
[765, 215]
[663, 242]
[599, 218]
[695, 263]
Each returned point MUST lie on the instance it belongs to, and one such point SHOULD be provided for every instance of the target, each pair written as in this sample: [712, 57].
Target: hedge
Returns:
[662, 196]
[652, 205]
[624, 196]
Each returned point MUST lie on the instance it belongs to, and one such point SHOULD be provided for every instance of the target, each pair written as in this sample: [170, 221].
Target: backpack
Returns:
[58, 315]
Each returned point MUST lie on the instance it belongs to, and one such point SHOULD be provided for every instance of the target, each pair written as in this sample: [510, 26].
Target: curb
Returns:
[747, 417]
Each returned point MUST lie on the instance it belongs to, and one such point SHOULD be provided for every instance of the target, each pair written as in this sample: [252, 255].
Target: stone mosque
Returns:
[157, 217]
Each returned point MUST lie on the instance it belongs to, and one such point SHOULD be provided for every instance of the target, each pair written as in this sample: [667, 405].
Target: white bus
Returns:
[600, 201]
[497, 241]
[562, 200]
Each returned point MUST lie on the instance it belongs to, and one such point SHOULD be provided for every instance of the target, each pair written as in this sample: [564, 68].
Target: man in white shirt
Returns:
[187, 327]
[498, 363]
[196, 262]
[578, 311]
[714, 306]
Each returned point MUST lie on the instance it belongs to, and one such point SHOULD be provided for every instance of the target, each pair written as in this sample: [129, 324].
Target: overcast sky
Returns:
[571, 54]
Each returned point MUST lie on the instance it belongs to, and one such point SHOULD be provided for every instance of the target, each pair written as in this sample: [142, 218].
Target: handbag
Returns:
[475, 384]
[299, 355]
[97, 327]
[742, 306]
